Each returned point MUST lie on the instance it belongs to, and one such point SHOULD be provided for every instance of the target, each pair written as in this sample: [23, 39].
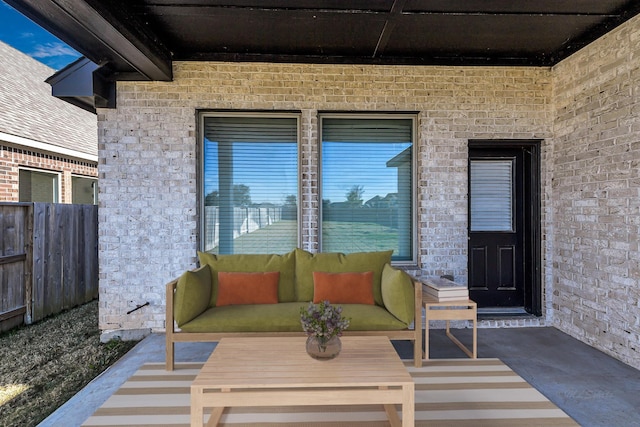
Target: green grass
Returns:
[337, 236]
[45, 364]
[358, 237]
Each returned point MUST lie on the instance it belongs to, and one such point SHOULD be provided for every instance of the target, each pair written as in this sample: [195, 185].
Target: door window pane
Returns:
[491, 195]
[250, 184]
[366, 185]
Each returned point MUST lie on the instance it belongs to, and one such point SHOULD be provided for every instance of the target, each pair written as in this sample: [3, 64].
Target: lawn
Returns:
[337, 236]
[43, 365]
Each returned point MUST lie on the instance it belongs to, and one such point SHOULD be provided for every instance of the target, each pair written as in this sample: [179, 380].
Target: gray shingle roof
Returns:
[28, 110]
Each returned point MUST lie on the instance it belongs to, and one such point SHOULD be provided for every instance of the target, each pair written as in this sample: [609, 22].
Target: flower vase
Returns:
[322, 348]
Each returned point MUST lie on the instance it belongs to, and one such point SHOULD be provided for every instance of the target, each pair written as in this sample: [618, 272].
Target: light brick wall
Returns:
[148, 157]
[596, 194]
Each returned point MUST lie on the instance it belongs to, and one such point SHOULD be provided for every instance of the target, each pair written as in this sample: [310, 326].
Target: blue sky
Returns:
[23, 34]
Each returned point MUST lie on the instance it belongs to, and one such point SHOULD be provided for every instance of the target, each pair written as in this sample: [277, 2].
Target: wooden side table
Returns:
[450, 310]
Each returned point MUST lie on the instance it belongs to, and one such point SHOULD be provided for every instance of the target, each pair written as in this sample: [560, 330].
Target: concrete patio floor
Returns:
[593, 388]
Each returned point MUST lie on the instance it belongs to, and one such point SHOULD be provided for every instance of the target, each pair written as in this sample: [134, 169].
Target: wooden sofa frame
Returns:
[173, 336]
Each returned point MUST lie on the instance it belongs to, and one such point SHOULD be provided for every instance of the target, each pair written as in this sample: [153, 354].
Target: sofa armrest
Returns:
[169, 301]
[169, 324]
[417, 288]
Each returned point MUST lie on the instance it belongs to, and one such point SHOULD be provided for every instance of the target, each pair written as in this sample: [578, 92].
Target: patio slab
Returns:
[593, 388]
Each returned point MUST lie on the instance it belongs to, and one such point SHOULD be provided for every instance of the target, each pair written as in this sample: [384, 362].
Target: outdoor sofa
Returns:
[258, 295]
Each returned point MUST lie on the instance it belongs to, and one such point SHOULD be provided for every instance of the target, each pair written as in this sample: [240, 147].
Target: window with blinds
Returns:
[250, 183]
[491, 195]
[367, 185]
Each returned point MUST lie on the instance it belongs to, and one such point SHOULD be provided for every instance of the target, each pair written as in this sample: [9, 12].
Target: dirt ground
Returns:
[45, 364]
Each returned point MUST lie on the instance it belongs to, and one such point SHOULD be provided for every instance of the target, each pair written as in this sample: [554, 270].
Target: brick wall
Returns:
[148, 161]
[596, 194]
[12, 158]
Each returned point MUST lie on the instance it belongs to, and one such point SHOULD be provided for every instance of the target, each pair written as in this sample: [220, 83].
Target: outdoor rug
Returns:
[449, 392]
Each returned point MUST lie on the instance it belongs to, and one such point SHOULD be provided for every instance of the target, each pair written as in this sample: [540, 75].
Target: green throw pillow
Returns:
[193, 294]
[398, 294]
[334, 262]
[253, 263]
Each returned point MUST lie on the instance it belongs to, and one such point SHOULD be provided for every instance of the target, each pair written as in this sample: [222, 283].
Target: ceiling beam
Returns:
[389, 25]
[102, 33]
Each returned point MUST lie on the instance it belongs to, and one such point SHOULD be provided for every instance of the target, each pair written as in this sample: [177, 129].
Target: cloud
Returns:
[49, 50]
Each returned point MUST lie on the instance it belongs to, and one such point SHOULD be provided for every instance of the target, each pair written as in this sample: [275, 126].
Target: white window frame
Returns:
[57, 174]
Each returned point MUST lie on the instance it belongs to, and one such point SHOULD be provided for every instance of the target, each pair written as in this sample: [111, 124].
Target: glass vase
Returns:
[322, 348]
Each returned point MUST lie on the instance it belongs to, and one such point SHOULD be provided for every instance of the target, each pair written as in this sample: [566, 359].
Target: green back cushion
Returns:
[398, 293]
[193, 294]
[333, 262]
[285, 264]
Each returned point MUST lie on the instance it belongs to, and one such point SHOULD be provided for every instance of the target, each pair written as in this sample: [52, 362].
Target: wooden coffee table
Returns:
[276, 371]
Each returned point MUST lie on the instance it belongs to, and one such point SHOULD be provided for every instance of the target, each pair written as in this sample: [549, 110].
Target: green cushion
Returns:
[281, 317]
[366, 317]
[398, 293]
[333, 262]
[285, 264]
[285, 317]
[193, 293]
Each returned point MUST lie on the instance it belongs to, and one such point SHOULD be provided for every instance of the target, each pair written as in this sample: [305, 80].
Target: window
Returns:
[491, 195]
[367, 185]
[84, 190]
[250, 183]
[36, 186]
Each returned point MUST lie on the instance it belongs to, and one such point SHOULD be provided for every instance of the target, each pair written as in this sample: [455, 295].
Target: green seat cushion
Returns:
[398, 294]
[193, 293]
[333, 262]
[281, 317]
[253, 263]
[365, 317]
[285, 317]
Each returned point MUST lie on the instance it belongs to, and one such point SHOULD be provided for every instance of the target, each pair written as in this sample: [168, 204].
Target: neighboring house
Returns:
[48, 148]
[534, 168]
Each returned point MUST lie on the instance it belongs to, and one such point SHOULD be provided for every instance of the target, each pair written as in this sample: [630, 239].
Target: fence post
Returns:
[28, 266]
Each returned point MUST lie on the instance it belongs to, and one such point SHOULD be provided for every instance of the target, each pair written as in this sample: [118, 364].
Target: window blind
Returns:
[250, 184]
[491, 195]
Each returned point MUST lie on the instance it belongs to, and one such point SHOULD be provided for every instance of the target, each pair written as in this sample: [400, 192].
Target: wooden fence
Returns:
[48, 260]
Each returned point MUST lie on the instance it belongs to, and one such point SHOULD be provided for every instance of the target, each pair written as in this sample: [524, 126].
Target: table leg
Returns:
[426, 337]
[475, 337]
[408, 405]
[197, 407]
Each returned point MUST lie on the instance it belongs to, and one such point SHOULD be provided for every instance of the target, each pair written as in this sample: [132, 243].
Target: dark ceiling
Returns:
[138, 39]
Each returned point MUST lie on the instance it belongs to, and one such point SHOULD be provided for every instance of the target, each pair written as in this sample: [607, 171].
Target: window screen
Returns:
[250, 184]
[366, 185]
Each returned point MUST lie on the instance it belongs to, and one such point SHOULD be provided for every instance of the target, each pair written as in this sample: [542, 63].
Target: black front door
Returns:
[502, 224]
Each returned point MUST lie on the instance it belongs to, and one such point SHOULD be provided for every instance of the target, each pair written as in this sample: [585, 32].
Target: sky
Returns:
[23, 34]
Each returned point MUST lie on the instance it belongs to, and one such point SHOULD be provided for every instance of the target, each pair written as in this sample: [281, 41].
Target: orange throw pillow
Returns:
[343, 288]
[247, 288]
